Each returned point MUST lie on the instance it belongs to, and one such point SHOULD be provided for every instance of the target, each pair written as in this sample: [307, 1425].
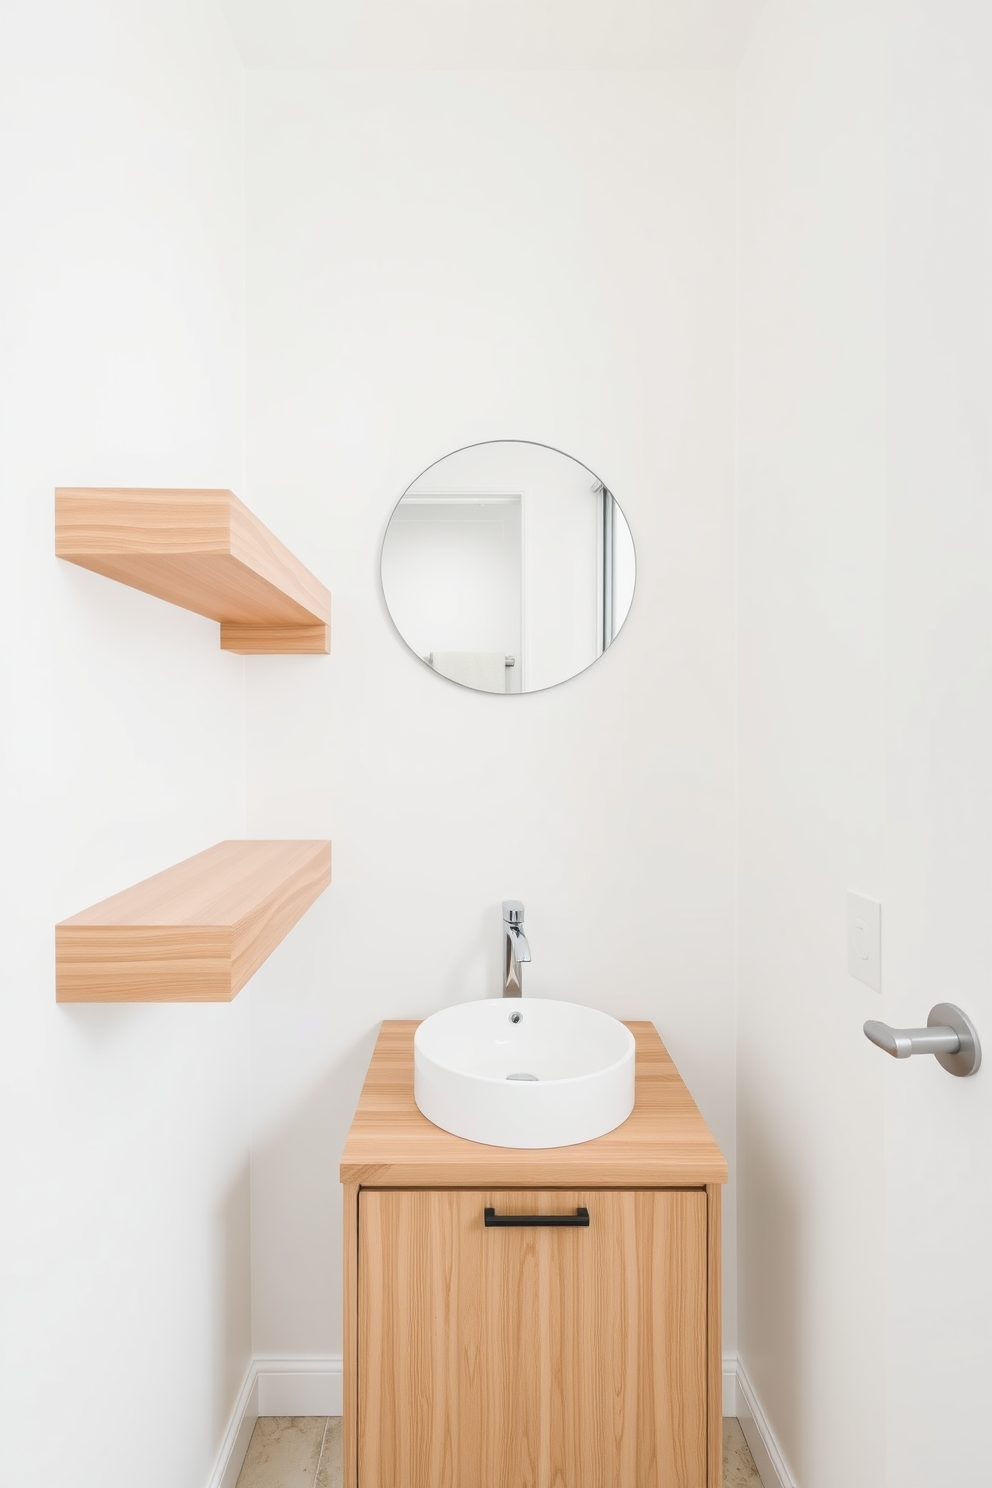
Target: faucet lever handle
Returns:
[513, 912]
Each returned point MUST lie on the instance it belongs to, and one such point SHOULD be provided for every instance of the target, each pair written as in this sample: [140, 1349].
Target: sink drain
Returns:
[521, 1076]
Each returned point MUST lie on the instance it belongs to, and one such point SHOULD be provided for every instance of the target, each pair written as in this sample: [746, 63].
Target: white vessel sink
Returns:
[524, 1072]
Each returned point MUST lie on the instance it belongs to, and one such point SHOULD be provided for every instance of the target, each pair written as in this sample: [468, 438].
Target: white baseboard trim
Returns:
[773, 1469]
[308, 1386]
[238, 1433]
[730, 1393]
[277, 1385]
[287, 1385]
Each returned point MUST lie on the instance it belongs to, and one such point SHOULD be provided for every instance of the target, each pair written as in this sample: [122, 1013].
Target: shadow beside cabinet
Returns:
[202, 550]
[194, 933]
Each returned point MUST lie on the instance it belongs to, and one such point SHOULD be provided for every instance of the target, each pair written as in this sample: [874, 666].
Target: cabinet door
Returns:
[531, 1357]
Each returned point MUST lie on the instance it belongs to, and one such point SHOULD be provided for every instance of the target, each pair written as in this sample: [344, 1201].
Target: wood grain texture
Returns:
[714, 1335]
[203, 550]
[663, 1143]
[275, 640]
[349, 1424]
[195, 933]
[532, 1357]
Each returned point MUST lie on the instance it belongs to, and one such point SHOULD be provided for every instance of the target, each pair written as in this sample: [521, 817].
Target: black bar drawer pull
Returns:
[578, 1220]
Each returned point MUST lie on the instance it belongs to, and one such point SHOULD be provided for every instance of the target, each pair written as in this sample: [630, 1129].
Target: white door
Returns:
[937, 906]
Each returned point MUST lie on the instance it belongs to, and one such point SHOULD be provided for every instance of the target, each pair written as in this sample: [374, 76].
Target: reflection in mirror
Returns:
[508, 566]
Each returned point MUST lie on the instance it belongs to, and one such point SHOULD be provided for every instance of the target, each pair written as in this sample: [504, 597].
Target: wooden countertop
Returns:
[664, 1142]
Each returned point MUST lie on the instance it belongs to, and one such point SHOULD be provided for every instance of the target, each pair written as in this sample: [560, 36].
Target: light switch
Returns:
[864, 940]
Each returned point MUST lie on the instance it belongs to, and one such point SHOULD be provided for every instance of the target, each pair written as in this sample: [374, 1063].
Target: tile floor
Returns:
[739, 1470]
[293, 1452]
[305, 1452]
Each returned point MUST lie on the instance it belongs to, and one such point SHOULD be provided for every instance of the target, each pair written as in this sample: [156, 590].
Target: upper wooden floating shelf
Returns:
[194, 933]
[205, 551]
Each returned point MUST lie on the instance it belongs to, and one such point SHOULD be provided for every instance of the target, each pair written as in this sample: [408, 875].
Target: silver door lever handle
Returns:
[949, 1034]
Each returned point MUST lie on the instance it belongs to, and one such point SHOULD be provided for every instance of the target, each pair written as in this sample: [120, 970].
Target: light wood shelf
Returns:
[203, 550]
[194, 933]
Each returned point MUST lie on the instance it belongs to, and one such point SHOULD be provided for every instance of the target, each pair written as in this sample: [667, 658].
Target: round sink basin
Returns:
[524, 1072]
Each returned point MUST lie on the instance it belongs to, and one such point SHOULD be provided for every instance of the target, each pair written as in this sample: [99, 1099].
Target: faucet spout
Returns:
[516, 947]
[521, 945]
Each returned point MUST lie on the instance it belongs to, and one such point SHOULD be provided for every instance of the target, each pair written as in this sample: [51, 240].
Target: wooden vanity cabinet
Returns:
[583, 1354]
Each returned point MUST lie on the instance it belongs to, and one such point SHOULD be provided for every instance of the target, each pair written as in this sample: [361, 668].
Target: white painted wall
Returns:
[434, 260]
[938, 872]
[811, 779]
[124, 1286]
[524, 34]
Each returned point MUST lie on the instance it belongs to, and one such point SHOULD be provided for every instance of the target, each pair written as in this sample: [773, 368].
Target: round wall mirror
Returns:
[508, 566]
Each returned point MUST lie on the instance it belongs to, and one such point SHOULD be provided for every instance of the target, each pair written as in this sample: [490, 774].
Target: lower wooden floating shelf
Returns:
[195, 933]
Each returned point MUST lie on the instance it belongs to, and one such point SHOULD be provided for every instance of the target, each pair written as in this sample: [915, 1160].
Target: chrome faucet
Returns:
[515, 947]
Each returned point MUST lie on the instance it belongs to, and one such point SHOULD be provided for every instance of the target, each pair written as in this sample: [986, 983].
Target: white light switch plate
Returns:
[864, 940]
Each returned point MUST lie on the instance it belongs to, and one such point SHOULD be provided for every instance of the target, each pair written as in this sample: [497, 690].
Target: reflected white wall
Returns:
[451, 575]
[560, 552]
